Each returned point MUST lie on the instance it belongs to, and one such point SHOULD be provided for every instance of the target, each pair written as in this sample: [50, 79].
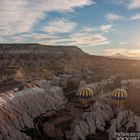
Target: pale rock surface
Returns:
[94, 119]
[124, 121]
[97, 87]
[18, 110]
[44, 83]
[131, 82]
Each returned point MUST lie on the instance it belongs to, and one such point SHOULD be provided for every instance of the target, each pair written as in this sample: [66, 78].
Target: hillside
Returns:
[43, 61]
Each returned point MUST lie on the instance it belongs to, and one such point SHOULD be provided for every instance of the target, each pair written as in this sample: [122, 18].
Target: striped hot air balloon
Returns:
[120, 96]
[85, 95]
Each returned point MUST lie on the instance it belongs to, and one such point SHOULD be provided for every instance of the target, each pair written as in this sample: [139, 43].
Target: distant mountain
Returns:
[120, 56]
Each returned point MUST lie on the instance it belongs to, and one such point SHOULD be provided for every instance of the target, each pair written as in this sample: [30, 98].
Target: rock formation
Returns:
[17, 110]
[91, 121]
[126, 122]
[131, 82]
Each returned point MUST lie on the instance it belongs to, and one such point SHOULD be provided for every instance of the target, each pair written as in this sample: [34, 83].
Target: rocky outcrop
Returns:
[44, 83]
[17, 110]
[91, 121]
[67, 82]
[126, 121]
[131, 82]
[97, 87]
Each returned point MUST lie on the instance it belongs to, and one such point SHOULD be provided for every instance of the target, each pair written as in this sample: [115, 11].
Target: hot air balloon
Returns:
[85, 95]
[120, 97]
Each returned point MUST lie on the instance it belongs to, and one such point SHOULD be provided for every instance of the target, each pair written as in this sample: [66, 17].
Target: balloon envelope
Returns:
[85, 95]
[120, 96]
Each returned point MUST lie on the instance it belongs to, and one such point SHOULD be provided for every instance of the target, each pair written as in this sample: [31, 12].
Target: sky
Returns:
[98, 27]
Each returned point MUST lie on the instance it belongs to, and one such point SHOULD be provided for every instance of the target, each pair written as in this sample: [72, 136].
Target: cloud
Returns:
[131, 4]
[83, 37]
[57, 41]
[38, 37]
[21, 15]
[113, 17]
[135, 17]
[89, 29]
[78, 39]
[123, 43]
[134, 4]
[106, 28]
[60, 26]
[89, 39]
